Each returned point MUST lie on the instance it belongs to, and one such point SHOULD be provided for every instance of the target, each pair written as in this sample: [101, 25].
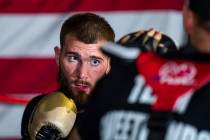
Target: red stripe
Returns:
[9, 138]
[13, 100]
[56, 6]
[27, 75]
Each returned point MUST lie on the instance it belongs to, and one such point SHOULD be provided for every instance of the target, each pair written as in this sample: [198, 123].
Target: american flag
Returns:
[30, 29]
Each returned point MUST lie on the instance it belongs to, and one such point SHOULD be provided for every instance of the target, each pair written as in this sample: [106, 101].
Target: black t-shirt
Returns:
[120, 107]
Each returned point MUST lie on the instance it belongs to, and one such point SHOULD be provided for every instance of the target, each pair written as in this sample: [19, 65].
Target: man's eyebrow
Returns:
[97, 57]
[70, 52]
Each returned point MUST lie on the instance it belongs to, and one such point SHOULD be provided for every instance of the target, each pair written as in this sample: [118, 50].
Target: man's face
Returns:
[80, 67]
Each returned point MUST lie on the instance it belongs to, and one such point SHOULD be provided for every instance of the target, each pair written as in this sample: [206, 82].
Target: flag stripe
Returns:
[13, 100]
[56, 6]
[10, 120]
[31, 75]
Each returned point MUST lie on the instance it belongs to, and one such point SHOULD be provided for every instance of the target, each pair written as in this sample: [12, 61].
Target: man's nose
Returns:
[82, 71]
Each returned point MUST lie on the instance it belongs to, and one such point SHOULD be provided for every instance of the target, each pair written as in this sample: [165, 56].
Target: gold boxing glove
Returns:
[52, 118]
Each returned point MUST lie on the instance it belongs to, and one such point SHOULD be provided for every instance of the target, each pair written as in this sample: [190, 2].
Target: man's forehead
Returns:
[73, 44]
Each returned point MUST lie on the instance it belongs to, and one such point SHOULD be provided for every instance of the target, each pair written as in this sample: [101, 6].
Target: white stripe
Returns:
[182, 102]
[36, 34]
[10, 120]
[168, 22]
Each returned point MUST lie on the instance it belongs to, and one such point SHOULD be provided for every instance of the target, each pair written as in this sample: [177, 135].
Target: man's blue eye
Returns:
[95, 62]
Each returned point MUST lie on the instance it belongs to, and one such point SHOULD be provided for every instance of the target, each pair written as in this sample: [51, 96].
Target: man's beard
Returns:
[80, 99]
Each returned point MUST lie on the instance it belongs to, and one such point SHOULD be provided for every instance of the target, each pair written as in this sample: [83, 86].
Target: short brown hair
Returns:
[86, 27]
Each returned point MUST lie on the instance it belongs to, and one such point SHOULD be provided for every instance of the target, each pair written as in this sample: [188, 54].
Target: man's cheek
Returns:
[99, 74]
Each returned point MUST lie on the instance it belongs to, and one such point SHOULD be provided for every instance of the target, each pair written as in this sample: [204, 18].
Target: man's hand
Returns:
[150, 40]
[128, 48]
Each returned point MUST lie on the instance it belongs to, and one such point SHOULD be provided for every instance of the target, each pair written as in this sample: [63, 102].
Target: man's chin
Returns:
[81, 99]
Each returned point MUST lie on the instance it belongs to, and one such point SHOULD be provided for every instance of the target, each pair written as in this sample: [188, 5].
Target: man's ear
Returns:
[109, 66]
[57, 51]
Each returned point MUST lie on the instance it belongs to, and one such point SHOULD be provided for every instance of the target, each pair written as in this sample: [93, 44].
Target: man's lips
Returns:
[81, 88]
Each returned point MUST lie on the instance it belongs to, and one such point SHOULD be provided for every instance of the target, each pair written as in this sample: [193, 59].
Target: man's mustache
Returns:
[81, 82]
